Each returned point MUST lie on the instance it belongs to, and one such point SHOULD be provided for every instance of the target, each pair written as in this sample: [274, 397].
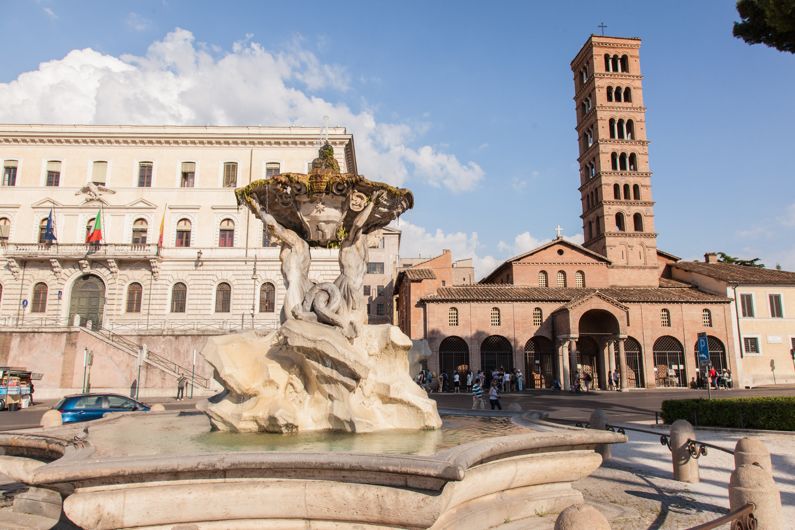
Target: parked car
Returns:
[84, 407]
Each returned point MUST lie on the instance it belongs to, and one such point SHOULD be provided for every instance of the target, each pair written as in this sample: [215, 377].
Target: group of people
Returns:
[463, 381]
[714, 379]
[584, 381]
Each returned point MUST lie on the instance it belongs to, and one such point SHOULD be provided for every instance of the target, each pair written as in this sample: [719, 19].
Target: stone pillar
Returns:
[563, 365]
[572, 360]
[752, 451]
[622, 361]
[579, 516]
[598, 421]
[685, 466]
[604, 366]
[753, 483]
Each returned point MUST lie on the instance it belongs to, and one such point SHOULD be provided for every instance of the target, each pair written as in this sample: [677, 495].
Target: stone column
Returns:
[604, 366]
[611, 354]
[622, 361]
[685, 466]
[563, 365]
[572, 359]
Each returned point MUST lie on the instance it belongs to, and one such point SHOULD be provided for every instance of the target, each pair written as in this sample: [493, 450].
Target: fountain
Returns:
[320, 425]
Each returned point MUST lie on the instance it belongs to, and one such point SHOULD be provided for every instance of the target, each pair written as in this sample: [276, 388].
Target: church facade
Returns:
[563, 310]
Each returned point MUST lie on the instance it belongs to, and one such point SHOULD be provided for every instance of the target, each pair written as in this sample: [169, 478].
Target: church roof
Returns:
[512, 293]
[738, 274]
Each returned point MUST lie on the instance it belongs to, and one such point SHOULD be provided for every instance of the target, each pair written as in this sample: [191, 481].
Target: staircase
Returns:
[152, 359]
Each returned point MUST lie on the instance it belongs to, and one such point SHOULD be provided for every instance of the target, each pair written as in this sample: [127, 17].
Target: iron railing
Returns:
[741, 519]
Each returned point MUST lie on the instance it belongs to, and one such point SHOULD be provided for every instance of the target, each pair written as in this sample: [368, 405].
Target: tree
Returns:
[725, 258]
[770, 22]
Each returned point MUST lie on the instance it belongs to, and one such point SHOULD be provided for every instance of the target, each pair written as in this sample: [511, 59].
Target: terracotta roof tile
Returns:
[511, 293]
[738, 274]
[419, 274]
[668, 283]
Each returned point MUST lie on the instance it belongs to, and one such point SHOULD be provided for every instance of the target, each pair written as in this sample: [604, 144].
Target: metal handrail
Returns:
[741, 519]
[697, 448]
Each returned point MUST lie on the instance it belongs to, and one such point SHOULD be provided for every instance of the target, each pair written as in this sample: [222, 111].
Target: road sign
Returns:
[25, 303]
[703, 349]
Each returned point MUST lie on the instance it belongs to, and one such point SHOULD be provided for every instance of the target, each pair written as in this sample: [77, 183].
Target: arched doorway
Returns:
[540, 362]
[594, 328]
[587, 358]
[87, 300]
[634, 355]
[453, 356]
[669, 362]
[496, 352]
[717, 353]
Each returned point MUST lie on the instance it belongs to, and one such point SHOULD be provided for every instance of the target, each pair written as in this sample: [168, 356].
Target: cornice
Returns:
[155, 141]
[596, 181]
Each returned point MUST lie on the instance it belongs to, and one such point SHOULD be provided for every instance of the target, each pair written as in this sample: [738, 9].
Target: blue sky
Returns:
[469, 104]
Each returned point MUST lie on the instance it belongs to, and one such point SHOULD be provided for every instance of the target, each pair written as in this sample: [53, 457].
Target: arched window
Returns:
[179, 296]
[622, 162]
[226, 234]
[587, 201]
[135, 293]
[267, 298]
[453, 355]
[614, 161]
[452, 316]
[633, 162]
[496, 352]
[616, 192]
[612, 124]
[706, 318]
[43, 231]
[637, 221]
[618, 94]
[5, 230]
[39, 304]
[592, 167]
[624, 64]
[183, 233]
[543, 279]
[665, 318]
[627, 95]
[630, 130]
[561, 279]
[615, 64]
[223, 298]
[590, 229]
[620, 226]
[538, 316]
[636, 192]
[621, 129]
[495, 317]
[579, 279]
[626, 192]
[669, 356]
[140, 228]
[610, 93]
[607, 63]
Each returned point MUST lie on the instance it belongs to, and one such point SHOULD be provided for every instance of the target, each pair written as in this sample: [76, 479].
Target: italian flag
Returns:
[95, 236]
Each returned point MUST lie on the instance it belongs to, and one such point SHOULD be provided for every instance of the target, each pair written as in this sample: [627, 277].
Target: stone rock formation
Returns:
[307, 376]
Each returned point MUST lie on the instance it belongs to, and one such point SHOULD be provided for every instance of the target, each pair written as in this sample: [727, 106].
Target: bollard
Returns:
[752, 451]
[581, 516]
[157, 407]
[598, 421]
[685, 466]
[753, 483]
[51, 418]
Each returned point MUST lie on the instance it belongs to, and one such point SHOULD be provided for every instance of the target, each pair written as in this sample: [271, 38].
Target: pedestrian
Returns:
[469, 381]
[445, 381]
[181, 387]
[519, 381]
[588, 380]
[616, 380]
[506, 382]
[494, 395]
[477, 396]
[456, 382]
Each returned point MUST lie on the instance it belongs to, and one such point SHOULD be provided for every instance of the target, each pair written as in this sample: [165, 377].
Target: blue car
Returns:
[84, 407]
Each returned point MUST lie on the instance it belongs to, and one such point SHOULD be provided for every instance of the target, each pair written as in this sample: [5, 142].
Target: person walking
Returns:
[181, 387]
[469, 381]
[477, 396]
[494, 395]
[456, 382]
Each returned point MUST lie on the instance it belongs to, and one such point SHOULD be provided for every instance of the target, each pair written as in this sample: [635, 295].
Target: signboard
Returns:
[703, 349]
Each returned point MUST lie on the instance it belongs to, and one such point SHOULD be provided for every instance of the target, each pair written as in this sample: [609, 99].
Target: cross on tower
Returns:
[558, 232]
[602, 27]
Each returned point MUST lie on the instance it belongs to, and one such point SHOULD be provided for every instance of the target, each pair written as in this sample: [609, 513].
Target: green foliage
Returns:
[770, 22]
[725, 258]
[772, 413]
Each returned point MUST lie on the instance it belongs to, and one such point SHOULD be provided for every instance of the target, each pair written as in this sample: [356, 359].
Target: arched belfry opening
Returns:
[87, 300]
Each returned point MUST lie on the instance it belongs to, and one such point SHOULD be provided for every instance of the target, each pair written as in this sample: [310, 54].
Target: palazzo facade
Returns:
[563, 310]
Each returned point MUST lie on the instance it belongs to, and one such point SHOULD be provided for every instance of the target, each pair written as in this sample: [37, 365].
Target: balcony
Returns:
[78, 251]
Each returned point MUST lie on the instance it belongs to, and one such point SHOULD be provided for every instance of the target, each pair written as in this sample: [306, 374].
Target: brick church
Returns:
[564, 309]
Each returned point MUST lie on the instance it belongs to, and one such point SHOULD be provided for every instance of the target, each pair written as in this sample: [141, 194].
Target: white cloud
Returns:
[50, 13]
[138, 22]
[179, 81]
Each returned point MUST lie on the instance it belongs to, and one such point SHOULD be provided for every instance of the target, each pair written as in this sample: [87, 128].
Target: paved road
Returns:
[634, 406]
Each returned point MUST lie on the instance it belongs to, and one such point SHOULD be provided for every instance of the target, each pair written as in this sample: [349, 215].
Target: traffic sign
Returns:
[703, 349]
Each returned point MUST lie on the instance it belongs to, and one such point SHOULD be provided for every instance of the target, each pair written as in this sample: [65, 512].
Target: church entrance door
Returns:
[88, 300]
[587, 359]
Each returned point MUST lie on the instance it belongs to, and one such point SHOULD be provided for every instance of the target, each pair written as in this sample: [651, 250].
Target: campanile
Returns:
[615, 180]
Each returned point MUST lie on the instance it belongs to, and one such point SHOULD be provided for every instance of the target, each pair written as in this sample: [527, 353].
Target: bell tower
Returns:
[615, 180]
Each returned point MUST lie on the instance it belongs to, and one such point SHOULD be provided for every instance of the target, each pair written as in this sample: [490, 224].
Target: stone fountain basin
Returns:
[109, 481]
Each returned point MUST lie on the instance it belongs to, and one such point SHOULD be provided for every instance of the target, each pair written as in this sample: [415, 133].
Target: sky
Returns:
[469, 104]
